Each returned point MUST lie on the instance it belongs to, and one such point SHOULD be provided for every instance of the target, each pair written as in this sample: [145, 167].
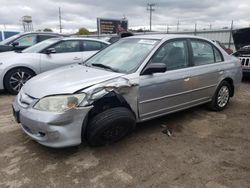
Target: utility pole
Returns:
[195, 28]
[230, 36]
[60, 20]
[150, 9]
[178, 23]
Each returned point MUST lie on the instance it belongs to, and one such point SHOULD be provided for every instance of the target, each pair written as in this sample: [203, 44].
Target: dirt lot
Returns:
[207, 149]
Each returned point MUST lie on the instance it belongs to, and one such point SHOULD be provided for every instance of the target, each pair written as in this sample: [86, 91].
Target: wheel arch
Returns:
[18, 67]
[110, 100]
[231, 83]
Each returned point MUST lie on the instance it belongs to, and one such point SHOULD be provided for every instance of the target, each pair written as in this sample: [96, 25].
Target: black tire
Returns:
[217, 103]
[16, 78]
[110, 126]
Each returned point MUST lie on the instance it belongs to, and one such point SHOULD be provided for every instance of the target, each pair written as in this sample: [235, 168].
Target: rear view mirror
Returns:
[154, 68]
[50, 51]
[15, 44]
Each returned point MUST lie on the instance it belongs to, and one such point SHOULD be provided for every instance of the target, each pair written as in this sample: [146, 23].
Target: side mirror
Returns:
[50, 51]
[154, 68]
[15, 44]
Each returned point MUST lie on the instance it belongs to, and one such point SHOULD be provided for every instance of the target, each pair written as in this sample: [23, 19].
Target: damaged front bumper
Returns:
[51, 129]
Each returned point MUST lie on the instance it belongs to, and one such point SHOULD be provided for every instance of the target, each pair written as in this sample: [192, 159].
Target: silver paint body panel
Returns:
[149, 96]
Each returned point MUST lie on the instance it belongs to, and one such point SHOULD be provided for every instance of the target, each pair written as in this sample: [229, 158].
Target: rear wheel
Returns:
[221, 97]
[110, 126]
[16, 78]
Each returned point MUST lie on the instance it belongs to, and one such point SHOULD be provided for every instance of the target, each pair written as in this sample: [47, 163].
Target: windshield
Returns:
[10, 39]
[40, 46]
[124, 56]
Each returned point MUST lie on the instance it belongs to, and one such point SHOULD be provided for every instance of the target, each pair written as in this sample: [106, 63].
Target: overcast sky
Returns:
[83, 13]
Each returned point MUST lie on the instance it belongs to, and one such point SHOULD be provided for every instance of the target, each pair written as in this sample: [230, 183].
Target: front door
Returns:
[25, 42]
[163, 93]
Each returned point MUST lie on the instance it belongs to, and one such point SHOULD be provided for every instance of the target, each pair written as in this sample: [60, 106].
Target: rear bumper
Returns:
[52, 129]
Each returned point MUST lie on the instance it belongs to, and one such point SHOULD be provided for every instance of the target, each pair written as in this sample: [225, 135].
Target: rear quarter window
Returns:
[218, 55]
[93, 45]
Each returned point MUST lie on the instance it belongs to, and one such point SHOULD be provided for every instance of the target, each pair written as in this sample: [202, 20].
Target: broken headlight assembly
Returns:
[59, 103]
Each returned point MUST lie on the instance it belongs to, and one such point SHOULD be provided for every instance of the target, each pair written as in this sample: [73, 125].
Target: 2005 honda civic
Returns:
[136, 79]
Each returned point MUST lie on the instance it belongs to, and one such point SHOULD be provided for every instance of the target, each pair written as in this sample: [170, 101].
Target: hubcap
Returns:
[223, 96]
[18, 79]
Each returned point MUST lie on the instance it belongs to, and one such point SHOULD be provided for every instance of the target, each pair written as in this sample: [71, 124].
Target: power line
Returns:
[150, 8]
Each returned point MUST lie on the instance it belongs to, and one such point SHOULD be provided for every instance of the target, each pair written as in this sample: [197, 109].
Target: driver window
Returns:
[67, 47]
[173, 54]
[27, 40]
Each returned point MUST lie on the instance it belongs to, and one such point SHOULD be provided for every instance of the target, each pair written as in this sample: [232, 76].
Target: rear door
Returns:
[206, 71]
[162, 93]
[67, 52]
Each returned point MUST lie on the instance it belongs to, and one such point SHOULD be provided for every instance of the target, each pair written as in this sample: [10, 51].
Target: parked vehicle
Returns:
[24, 40]
[113, 39]
[18, 67]
[244, 55]
[7, 34]
[228, 50]
[133, 80]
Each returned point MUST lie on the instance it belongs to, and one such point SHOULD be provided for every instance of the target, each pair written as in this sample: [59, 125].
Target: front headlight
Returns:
[59, 103]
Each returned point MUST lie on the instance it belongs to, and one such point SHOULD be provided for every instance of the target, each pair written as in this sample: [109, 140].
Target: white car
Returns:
[18, 67]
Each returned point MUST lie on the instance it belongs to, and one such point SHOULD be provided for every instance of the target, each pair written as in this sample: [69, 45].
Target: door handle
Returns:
[77, 58]
[186, 79]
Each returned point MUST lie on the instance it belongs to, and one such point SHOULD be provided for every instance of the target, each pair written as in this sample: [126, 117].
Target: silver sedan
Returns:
[134, 80]
[18, 67]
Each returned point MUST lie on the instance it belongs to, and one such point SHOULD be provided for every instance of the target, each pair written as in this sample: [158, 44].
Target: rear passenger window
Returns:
[173, 54]
[45, 37]
[218, 57]
[92, 45]
[202, 53]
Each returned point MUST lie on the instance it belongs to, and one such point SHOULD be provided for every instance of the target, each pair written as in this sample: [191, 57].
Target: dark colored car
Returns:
[24, 40]
[244, 50]
[228, 50]
[114, 39]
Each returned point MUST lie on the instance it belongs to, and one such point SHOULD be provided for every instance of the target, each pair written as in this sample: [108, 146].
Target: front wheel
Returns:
[16, 78]
[221, 97]
[110, 126]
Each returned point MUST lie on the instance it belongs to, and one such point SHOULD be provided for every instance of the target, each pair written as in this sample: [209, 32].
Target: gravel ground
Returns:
[206, 149]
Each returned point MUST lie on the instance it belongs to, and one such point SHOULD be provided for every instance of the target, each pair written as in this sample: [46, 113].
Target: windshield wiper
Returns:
[104, 66]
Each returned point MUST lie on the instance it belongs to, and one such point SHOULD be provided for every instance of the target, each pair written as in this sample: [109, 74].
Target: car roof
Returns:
[85, 38]
[166, 36]
[46, 33]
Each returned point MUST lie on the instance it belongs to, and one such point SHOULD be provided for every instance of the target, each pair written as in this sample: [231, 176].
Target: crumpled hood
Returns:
[65, 80]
